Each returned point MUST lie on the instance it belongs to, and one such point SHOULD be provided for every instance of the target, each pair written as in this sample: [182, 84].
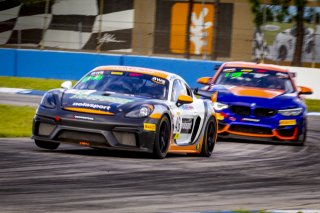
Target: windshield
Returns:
[259, 78]
[131, 83]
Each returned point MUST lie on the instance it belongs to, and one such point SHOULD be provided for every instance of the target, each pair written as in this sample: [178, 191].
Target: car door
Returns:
[184, 115]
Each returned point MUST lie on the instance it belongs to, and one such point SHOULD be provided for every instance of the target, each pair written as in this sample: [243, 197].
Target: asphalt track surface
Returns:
[239, 175]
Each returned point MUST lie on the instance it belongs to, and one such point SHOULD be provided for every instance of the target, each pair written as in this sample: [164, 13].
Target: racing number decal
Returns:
[177, 123]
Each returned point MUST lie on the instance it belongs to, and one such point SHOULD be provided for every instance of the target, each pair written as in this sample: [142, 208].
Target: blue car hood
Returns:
[246, 96]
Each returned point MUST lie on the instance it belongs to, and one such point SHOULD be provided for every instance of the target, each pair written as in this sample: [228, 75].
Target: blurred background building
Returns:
[219, 29]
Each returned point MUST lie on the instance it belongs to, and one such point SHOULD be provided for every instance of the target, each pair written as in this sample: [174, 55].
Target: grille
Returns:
[45, 129]
[125, 138]
[264, 112]
[250, 129]
[221, 125]
[76, 137]
[241, 110]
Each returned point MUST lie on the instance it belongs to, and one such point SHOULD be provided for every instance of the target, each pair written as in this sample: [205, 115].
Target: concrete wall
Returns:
[309, 77]
[73, 65]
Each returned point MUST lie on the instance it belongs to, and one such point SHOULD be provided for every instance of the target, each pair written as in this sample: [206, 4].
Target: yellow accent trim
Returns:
[152, 72]
[219, 116]
[149, 127]
[185, 99]
[155, 115]
[287, 122]
[116, 73]
[91, 111]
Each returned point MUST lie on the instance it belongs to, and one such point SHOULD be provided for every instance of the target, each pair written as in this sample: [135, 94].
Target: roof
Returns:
[154, 72]
[255, 66]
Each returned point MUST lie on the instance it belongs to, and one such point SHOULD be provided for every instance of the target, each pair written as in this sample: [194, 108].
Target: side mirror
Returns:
[184, 99]
[304, 90]
[204, 80]
[66, 85]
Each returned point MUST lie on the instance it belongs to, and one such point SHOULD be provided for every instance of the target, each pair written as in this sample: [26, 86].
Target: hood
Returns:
[96, 101]
[246, 96]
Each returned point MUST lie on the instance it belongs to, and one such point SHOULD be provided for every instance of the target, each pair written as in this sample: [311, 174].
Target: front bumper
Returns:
[118, 133]
[266, 129]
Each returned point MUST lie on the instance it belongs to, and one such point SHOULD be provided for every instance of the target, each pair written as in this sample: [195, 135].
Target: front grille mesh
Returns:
[264, 112]
[76, 137]
[45, 129]
[241, 110]
[250, 129]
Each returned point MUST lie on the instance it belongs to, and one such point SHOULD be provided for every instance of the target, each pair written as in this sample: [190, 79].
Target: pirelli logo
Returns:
[149, 127]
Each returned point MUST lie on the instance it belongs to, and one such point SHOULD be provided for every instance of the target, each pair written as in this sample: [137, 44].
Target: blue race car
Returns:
[258, 102]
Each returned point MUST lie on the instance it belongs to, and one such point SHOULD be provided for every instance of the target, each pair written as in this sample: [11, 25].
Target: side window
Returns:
[177, 90]
[189, 91]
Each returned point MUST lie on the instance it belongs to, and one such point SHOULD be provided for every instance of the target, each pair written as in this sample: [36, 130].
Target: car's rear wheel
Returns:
[162, 141]
[46, 144]
[209, 139]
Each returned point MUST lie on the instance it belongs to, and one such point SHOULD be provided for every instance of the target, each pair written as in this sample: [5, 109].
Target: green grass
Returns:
[30, 83]
[16, 121]
[313, 105]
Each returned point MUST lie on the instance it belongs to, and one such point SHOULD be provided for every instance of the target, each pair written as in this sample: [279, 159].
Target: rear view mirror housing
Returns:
[204, 80]
[304, 90]
[66, 85]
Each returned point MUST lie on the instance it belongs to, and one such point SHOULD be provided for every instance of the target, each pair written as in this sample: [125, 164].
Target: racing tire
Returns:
[46, 145]
[301, 139]
[209, 139]
[162, 142]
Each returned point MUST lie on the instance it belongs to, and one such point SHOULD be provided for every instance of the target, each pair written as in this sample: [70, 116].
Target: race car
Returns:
[127, 108]
[257, 102]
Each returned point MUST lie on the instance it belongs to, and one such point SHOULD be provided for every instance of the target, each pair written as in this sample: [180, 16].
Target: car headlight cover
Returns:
[219, 106]
[143, 111]
[48, 101]
[291, 112]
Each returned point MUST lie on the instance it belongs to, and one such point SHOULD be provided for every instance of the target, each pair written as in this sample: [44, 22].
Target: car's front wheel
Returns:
[162, 141]
[46, 144]
[209, 139]
[301, 139]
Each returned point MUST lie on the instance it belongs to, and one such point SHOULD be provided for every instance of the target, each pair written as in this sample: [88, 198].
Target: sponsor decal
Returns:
[96, 73]
[116, 73]
[93, 106]
[187, 107]
[101, 98]
[176, 136]
[287, 122]
[83, 118]
[251, 119]
[158, 80]
[282, 75]
[219, 116]
[186, 126]
[149, 127]
[246, 70]
[198, 146]
[229, 70]
[92, 78]
[234, 74]
[83, 143]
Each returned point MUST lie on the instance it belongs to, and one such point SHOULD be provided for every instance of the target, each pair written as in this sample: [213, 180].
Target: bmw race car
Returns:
[257, 101]
[127, 108]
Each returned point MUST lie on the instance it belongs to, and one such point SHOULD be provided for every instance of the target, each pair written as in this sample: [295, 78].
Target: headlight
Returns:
[290, 112]
[48, 101]
[140, 112]
[219, 106]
